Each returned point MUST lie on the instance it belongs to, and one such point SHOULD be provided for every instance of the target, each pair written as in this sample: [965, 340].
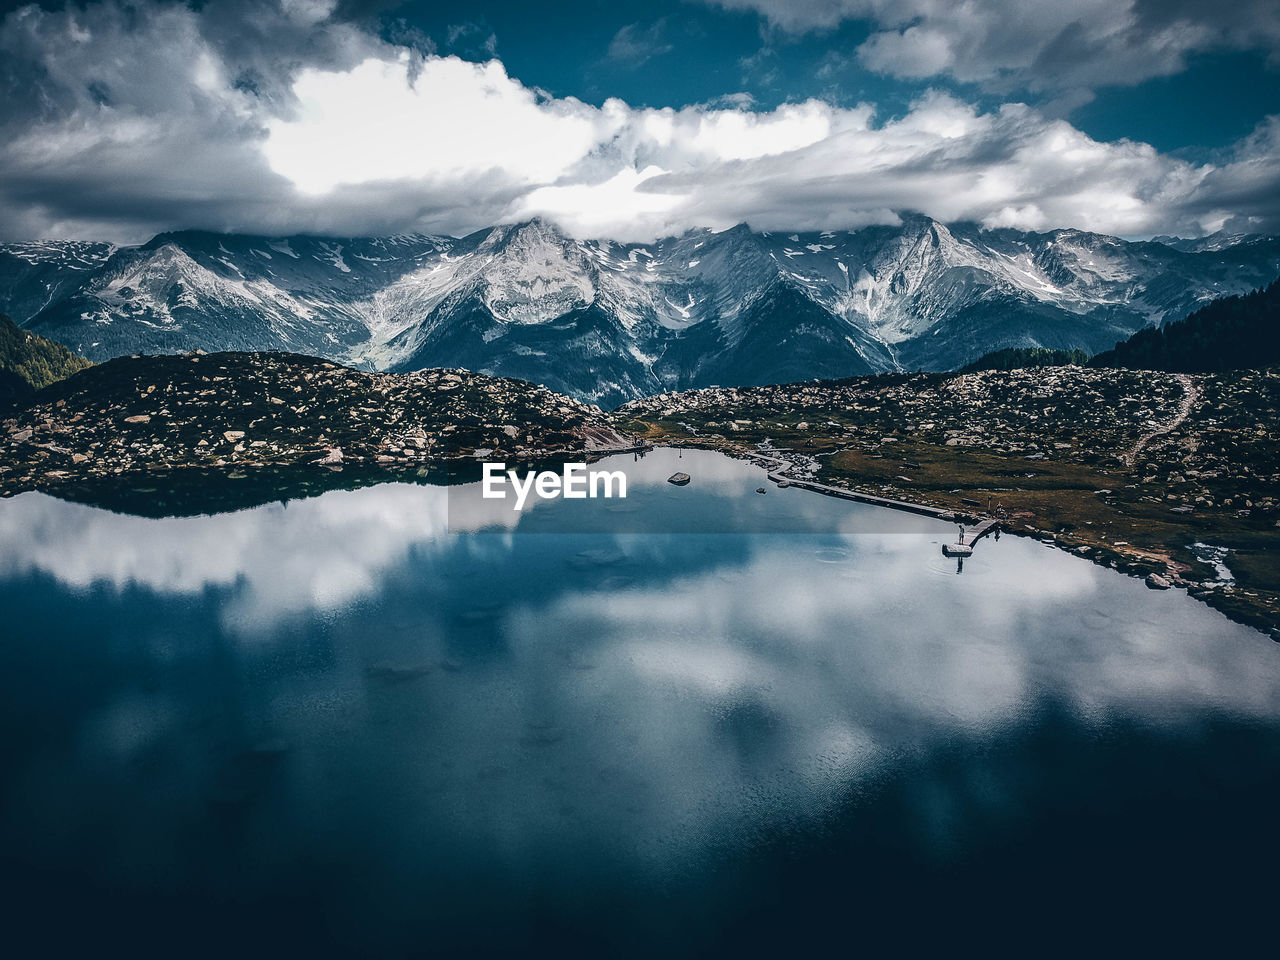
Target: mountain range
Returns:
[607, 322]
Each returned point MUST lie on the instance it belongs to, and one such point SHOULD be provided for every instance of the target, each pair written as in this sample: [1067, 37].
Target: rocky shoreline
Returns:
[1138, 471]
[252, 411]
[1158, 572]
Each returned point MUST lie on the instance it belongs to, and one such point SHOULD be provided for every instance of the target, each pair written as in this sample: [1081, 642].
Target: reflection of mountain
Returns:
[322, 554]
[195, 492]
[609, 322]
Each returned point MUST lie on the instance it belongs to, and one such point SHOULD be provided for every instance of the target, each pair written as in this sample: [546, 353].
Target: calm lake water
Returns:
[775, 724]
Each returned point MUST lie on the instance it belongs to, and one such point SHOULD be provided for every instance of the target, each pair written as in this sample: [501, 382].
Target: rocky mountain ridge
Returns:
[608, 322]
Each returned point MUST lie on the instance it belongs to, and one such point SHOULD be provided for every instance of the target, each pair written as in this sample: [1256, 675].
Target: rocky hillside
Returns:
[608, 322]
[240, 410]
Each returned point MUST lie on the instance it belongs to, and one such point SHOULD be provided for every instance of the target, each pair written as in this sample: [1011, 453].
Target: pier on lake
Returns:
[964, 546]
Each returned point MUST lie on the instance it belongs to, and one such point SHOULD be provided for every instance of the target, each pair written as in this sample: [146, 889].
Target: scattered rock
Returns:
[107, 415]
[1157, 582]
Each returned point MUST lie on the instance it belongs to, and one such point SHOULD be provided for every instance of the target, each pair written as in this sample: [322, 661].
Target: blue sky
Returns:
[1220, 98]
[634, 119]
[659, 53]
[676, 53]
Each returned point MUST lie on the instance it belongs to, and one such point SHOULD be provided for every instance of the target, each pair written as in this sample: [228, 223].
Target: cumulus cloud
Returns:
[1011, 167]
[447, 118]
[1058, 45]
[128, 120]
[323, 553]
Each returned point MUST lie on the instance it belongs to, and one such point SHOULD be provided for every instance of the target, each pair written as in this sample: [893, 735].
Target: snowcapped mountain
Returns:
[608, 322]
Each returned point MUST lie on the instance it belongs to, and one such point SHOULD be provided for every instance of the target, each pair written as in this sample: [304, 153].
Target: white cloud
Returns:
[634, 45]
[915, 52]
[309, 12]
[323, 553]
[1033, 44]
[446, 118]
[619, 206]
[742, 135]
[628, 173]
[125, 125]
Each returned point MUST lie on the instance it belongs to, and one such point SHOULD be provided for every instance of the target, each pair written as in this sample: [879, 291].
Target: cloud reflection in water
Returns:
[645, 694]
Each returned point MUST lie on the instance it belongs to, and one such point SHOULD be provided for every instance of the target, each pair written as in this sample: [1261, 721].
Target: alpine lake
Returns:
[401, 720]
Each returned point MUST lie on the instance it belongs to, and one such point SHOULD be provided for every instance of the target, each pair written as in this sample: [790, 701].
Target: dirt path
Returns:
[1190, 394]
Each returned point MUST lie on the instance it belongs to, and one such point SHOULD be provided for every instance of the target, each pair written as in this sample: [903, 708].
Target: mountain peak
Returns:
[740, 229]
[539, 226]
[614, 320]
[525, 232]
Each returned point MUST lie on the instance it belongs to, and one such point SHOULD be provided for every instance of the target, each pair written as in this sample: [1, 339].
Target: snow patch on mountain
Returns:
[605, 320]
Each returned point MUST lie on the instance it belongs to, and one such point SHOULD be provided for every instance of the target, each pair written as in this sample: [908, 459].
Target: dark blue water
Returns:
[331, 728]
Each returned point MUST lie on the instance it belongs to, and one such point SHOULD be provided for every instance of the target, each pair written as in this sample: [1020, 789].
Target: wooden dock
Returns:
[780, 476]
[782, 480]
[983, 525]
[964, 548]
